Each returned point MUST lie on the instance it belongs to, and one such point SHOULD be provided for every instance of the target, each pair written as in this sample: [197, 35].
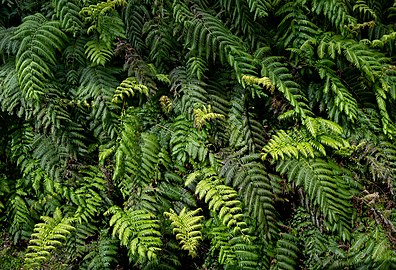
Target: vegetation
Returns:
[197, 134]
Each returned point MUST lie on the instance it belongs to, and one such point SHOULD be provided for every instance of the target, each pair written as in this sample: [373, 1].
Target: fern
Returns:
[22, 222]
[251, 178]
[187, 227]
[103, 254]
[326, 187]
[106, 22]
[280, 76]
[318, 134]
[286, 252]
[128, 87]
[47, 236]
[137, 230]
[220, 198]
[202, 116]
[68, 14]
[36, 56]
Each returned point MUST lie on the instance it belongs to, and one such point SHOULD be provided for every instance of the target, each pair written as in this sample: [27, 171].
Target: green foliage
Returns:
[36, 56]
[103, 254]
[187, 228]
[327, 186]
[46, 238]
[317, 134]
[232, 134]
[137, 230]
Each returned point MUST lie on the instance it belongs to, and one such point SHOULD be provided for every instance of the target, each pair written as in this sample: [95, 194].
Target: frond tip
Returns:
[204, 114]
[128, 88]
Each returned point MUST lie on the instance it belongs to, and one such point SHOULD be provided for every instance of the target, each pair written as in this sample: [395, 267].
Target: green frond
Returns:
[36, 57]
[89, 195]
[8, 45]
[341, 98]
[129, 87]
[222, 199]
[334, 11]
[287, 252]
[97, 85]
[135, 18]
[308, 143]
[187, 143]
[46, 238]
[21, 219]
[137, 230]
[327, 186]
[68, 13]
[103, 254]
[280, 76]
[250, 177]
[187, 228]
[204, 28]
[259, 7]
[98, 52]
[364, 10]
[193, 90]
[204, 114]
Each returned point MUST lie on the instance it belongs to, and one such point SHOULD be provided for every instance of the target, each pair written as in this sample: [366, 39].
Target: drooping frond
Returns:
[328, 186]
[280, 76]
[220, 198]
[286, 252]
[68, 13]
[251, 178]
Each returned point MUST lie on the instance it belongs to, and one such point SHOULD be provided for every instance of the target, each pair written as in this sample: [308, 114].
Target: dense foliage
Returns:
[198, 134]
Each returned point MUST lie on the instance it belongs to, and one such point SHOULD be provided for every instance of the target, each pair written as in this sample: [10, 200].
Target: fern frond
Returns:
[137, 230]
[326, 187]
[321, 133]
[47, 236]
[103, 254]
[98, 84]
[129, 87]
[287, 252]
[21, 219]
[187, 227]
[250, 177]
[204, 28]
[205, 114]
[8, 45]
[221, 199]
[36, 55]
[343, 99]
[280, 76]
[98, 52]
[334, 11]
[187, 143]
[68, 13]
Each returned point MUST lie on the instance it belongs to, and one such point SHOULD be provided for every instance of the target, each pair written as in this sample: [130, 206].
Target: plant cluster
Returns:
[199, 134]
